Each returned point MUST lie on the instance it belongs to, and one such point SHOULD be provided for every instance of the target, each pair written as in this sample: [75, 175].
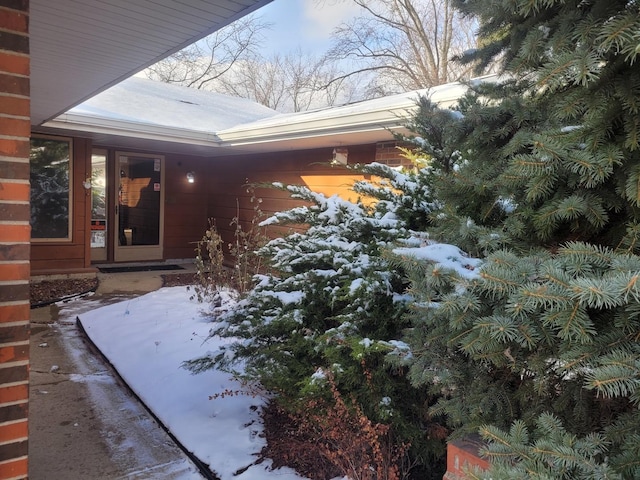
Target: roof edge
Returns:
[125, 128]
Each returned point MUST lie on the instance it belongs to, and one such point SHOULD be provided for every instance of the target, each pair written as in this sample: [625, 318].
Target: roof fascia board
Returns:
[334, 121]
[124, 128]
[328, 125]
[338, 116]
[282, 135]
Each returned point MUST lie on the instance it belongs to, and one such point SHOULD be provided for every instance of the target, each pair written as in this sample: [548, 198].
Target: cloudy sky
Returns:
[304, 23]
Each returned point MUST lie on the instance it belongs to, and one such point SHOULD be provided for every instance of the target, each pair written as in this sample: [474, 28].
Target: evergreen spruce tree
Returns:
[539, 174]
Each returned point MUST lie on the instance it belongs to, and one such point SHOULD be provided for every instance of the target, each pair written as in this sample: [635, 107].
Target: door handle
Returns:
[116, 209]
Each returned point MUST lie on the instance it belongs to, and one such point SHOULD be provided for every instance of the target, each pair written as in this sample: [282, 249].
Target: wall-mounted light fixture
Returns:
[340, 156]
[191, 177]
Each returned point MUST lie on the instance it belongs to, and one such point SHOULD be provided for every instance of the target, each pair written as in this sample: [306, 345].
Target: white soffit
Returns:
[79, 48]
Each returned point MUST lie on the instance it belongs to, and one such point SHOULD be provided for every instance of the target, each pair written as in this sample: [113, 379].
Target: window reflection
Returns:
[50, 163]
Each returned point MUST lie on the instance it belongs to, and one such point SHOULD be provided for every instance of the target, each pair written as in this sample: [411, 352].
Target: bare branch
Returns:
[201, 63]
[408, 43]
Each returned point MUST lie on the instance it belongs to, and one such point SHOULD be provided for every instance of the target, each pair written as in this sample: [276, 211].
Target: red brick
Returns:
[11, 334]
[14, 313]
[15, 233]
[13, 20]
[14, 84]
[14, 353]
[15, 127]
[14, 106]
[461, 455]
[14, 469]
[11, 63]
[18, 64]
[14, 271]
[14, 192]
[14, 293]
[14, 101]
[13, 394]
[14, 148]
[14, 431]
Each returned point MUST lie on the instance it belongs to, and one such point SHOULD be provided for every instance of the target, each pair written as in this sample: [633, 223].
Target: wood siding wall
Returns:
[229, 196]
[74, 255]
[219, 192]
[185, 215]
[15, 234]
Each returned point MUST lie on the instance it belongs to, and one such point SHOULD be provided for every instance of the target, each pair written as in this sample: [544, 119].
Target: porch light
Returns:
[191, 177]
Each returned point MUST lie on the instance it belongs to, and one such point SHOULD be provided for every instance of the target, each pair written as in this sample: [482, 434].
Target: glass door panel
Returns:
[98, 205]
[139, 207]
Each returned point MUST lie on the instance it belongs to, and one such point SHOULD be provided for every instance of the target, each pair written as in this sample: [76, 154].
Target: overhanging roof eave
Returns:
[288, 135]
[123, 128]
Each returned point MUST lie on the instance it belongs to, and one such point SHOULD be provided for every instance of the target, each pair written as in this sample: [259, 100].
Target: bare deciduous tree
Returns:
[293, 82]
[404, 44]
[257, 79]
[394, 45]
[203, 62]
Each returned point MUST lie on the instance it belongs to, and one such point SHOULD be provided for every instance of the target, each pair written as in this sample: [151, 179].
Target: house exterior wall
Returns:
[185, 214]
[228, 195]
[14, 237]
[464, 455]
[389, 154]
[219, 192]
[71, 256]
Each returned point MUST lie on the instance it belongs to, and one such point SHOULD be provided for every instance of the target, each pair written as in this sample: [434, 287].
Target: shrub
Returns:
[221, 278]
[331, 302]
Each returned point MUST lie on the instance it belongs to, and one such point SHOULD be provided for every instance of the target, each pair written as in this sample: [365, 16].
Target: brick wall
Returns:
[14, 237]
[463, 455]
[388, 153]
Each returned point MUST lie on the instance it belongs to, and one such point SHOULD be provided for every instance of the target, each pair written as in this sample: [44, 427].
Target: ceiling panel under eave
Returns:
[81, 47]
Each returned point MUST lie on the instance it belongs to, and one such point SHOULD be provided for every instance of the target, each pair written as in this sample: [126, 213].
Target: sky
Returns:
[307, 24]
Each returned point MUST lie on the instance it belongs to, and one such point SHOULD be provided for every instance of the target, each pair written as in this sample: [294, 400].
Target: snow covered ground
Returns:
[147, 339]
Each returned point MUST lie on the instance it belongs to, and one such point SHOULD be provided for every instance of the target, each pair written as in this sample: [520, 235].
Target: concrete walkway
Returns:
[83, 422]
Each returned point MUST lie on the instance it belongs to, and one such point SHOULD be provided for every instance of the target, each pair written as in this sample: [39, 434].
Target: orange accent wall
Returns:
[228, 196]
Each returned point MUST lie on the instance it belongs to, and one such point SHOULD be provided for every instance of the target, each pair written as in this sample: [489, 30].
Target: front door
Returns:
[139, 207]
